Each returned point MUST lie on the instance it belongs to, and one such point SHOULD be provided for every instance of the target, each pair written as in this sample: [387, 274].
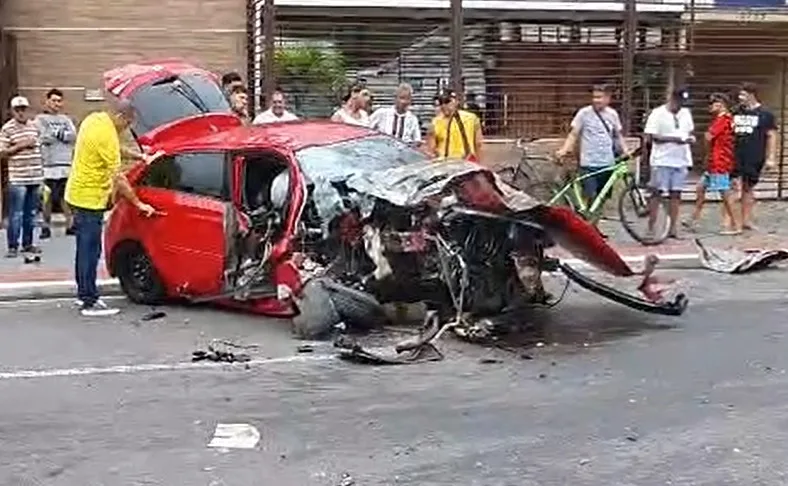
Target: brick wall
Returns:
[69, 43]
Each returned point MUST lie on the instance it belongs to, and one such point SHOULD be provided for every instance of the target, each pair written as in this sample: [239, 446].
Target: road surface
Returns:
[610, 397]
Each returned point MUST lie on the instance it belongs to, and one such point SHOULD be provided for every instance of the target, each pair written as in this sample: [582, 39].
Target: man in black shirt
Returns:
[755, 130]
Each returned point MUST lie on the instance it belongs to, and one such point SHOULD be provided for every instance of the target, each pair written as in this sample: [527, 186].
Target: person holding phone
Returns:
[669, 128]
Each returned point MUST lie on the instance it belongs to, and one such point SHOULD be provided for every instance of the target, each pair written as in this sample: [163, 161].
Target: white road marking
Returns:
[153, 367]
[53, 300]
[48, 284]
[235, 436]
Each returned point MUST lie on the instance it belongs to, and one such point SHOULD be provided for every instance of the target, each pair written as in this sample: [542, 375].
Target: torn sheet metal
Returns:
[737, 261]
[235, 436]
[350, 350]
[412, 184]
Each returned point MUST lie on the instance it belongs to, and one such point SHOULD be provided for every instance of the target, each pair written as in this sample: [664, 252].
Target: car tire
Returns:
[359, 310]
[324, 303]
[138, 278]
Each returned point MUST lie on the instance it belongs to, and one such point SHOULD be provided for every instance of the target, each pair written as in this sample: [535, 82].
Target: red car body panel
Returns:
[187, 241]
[124, 80]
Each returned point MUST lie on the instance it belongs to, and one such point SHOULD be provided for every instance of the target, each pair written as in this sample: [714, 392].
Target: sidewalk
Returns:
[56, 268]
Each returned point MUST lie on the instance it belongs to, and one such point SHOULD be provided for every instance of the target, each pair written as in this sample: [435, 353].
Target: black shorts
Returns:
[57, 188]
[748, 172]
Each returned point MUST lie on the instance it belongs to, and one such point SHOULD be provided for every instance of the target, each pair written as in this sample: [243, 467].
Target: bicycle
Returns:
[526, 178]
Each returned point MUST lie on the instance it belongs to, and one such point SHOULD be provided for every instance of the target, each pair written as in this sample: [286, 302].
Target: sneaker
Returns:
[12, 253]
[78, 303]
[46, 234]
[98, 309]
[32, 249]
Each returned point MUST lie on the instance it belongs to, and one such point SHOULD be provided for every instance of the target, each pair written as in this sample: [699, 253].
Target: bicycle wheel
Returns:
[634, 213]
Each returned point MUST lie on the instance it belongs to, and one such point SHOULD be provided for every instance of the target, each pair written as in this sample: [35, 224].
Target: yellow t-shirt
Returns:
[456, 149]
[96, 161]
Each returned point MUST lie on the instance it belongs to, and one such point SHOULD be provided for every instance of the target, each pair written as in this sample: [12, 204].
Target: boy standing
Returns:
[720, 165]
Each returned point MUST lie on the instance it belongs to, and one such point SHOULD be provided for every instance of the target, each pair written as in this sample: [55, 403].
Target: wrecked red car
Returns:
[322, 221]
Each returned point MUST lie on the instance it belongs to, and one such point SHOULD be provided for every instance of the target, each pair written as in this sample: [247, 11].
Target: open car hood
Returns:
[165, 92]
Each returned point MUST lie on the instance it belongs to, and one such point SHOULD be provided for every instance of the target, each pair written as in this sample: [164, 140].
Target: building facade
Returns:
[69, 44]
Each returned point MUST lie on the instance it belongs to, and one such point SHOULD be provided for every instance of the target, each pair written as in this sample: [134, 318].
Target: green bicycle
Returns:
[632, 205]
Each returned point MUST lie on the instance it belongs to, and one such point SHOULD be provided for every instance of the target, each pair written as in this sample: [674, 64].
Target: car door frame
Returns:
[187, 218]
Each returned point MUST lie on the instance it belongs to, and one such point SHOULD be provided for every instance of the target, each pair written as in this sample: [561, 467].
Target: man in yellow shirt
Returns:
[455, 133]
[95, 173]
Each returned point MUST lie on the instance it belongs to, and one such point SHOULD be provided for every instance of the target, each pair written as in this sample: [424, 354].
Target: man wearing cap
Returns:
[669, 128]
[19, 143]
[95, 174]
[455, 133]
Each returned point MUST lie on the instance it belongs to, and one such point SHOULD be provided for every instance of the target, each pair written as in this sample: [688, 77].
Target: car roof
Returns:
[289, 135]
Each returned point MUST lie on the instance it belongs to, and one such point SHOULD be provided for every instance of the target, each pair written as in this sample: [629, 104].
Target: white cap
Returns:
[19, 102]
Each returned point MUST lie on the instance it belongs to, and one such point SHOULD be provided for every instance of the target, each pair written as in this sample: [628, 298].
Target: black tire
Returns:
[358, 309]
[633, 196]
[324, 303]
[138, 278]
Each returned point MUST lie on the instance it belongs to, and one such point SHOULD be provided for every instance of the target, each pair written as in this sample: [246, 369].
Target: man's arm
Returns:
[571, 140]
[432, 145]
[771, 141]
[374, 119]
[110, 153]
[69, 134]
[622, 142]
[45, 134]
[130, 153]
[415, 129]
[478, 137]
[8, 149]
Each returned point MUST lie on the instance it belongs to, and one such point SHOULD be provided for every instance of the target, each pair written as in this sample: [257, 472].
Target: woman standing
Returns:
[352, 110]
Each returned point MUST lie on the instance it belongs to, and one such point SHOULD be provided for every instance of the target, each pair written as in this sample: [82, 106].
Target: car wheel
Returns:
[359, 310]
[324, 303]
[138, 277]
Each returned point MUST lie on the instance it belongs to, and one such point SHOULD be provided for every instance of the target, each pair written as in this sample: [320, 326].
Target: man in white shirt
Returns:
[277, 111]
[398, 121]
[669, 128]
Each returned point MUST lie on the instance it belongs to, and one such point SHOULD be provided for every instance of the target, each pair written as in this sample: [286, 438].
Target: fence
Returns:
[524, 66]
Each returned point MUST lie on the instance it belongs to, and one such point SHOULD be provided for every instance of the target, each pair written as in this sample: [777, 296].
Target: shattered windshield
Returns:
[177, 97]
[341, 160]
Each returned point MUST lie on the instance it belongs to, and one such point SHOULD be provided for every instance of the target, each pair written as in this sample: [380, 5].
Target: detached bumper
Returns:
[675, 308]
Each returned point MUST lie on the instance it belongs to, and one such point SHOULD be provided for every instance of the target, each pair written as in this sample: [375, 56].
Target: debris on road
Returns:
[738, 261]
[153, 315]
[305, 348]
[350, 350]
[219, 355]
[235, 436]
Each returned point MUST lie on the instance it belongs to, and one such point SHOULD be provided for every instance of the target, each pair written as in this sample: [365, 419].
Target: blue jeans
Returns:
[23, 203]
[88, 225]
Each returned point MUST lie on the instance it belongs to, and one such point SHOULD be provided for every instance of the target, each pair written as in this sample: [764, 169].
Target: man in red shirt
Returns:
[720, 164]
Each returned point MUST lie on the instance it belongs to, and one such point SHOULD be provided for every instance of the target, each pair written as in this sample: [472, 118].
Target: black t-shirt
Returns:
[751, 126]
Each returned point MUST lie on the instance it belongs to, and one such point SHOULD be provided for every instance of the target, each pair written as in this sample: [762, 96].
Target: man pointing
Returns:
[95, 173]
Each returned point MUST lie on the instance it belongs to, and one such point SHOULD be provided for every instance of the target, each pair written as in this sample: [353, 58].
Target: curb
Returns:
[673, 261]
[53, 289]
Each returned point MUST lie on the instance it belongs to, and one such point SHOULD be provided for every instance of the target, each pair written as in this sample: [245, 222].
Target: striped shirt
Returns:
[24, 167]
[404, 126]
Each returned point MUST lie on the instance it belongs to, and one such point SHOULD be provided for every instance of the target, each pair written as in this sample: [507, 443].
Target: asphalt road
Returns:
[612, 397]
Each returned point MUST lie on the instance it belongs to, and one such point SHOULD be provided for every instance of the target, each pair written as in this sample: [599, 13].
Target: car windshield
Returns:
[176, 97]
[340, 160]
